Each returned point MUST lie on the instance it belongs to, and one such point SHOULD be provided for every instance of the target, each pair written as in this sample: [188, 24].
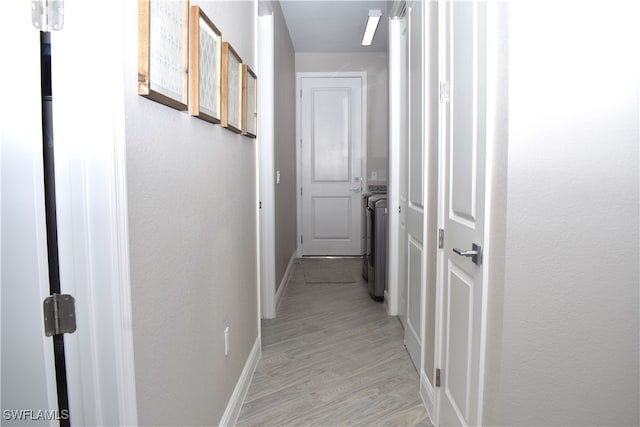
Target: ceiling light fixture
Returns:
[372, 25]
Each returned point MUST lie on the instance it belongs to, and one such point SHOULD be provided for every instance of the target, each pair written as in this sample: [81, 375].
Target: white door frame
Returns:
[92, 202]
[299, 76]
[266, 162]
[397, 71]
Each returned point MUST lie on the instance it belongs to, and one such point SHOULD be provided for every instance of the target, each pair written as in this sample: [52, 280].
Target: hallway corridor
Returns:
[332, 356]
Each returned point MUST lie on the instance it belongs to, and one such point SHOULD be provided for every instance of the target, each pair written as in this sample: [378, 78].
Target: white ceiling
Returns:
[333, 25]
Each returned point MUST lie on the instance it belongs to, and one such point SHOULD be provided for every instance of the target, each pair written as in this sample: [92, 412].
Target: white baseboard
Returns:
[426, 393]
[386, 302]
[230, 415]
[285, 282]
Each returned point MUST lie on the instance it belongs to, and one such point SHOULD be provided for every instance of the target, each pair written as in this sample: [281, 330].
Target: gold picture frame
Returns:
[205, 66]
[163, 54]
[249, 102]
[231, 117]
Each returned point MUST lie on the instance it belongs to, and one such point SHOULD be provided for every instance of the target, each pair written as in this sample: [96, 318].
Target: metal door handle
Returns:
[475, 253]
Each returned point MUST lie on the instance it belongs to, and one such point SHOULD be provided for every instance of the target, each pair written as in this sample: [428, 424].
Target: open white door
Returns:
[91, 216]
[398, 141]
[463, 66]
[411, 200]
[404, 148]
[28, 371]
[331, 116]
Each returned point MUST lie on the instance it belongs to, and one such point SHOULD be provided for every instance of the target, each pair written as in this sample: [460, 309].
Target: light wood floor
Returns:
[332, 357]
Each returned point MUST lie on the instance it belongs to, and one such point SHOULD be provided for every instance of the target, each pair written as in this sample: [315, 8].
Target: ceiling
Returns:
[333, 25]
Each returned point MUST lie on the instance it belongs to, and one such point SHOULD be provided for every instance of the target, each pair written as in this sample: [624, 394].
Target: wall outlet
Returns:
[226, 341]
[374, 175]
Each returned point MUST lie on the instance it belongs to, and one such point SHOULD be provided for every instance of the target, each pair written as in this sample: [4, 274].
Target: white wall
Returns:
[564, 348]
[284, 145]
[375, 65]
[192, 217]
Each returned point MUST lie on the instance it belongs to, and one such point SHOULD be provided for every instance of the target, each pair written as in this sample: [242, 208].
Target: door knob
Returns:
[475, 253]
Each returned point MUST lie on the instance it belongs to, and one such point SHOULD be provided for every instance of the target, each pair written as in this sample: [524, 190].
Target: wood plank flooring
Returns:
[332, 357]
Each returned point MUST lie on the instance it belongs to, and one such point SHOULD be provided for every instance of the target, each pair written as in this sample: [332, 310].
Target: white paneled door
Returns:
[28, 367]
[403, 150]
[331, 118]
[411, 194]
[463, 131]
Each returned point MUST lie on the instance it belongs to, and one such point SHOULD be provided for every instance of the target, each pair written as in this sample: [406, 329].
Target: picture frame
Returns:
[205, 66]
[231, 117]
[250, 102]
[163, 55]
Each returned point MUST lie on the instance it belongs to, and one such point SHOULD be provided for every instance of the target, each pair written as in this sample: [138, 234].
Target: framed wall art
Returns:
[231, 116]
[163, 56]
[205, 63]
[250, 102]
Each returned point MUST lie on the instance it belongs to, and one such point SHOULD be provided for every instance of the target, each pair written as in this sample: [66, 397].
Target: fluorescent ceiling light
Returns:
[372, 25]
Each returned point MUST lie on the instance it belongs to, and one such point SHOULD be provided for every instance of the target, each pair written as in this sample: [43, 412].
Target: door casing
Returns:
[395, 298]
[265, 160]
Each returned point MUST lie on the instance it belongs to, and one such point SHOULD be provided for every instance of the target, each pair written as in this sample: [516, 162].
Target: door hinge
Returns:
[259, 205]
[300, 191]
[444, 92]
[301, 239]
[300, 93]
[59, 314]
[437, 377]
[440, 238]
[47, 15]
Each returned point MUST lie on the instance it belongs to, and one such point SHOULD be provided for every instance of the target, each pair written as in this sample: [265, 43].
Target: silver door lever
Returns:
[475, 253]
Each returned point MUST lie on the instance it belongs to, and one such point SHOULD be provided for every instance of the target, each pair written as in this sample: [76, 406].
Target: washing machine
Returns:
[373, 189]
[377, 214]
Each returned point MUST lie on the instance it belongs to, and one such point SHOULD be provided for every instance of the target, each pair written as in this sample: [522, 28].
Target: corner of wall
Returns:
[236, 401]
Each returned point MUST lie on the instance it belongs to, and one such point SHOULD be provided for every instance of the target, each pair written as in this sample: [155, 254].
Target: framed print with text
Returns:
[231, 116]
[163, 37]
[205, 66]
[250, 102]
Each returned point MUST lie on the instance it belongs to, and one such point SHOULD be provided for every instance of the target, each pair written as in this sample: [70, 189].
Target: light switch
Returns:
[226, 341]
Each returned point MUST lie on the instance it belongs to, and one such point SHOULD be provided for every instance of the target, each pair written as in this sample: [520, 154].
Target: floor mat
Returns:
[338, 270]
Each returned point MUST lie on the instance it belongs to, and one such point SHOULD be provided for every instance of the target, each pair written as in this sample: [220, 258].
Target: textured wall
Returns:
[567, 342]
[284, 144]
[192, 216]
[375, 64]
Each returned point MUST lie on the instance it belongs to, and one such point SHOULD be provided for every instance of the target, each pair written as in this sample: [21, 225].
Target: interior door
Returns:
[463, 133]
[331, 169]
[414, 209]
[28, 369]
[403, 157]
